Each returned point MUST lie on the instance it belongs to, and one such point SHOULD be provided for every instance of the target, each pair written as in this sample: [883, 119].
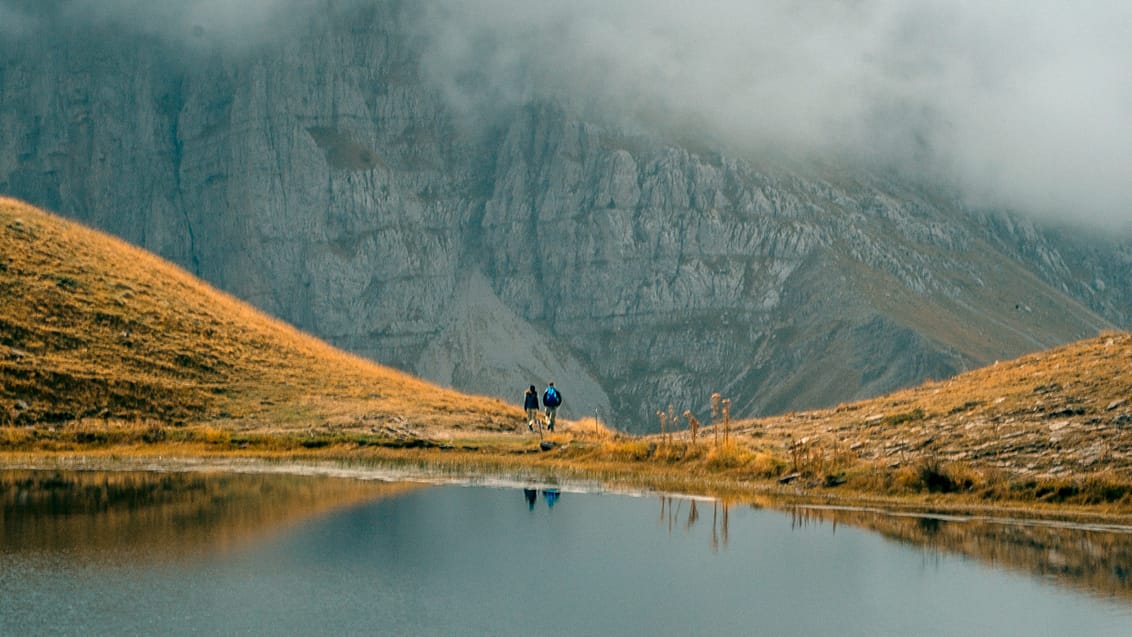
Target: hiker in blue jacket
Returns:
[530, 403]
[551, 399]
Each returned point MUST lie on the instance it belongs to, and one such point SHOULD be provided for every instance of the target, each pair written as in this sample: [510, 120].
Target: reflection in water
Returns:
[1094, 559]
[550, 495]
[455, 560]
[671, 511]
[162, 514]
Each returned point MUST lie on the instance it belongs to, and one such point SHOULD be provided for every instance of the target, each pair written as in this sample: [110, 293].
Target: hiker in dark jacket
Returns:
[551, 399]
[530, 403]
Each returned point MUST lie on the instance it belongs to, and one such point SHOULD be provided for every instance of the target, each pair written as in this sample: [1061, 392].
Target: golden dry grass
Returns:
[1055, 425]
[1049, 431]
[95, 332]
[105, 348]
[1064, 410]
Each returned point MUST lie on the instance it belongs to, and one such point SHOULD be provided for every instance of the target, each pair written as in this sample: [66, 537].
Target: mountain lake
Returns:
[227, 553]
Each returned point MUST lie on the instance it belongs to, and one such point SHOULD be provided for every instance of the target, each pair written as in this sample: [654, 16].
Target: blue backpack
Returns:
[551, 397]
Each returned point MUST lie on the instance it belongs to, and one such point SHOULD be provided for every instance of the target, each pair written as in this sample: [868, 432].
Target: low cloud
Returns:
[14, 22]
[1023, 104]
[191, 23]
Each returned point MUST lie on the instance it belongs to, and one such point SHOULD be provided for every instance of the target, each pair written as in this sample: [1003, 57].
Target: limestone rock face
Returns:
[483, 343]
[321, 177]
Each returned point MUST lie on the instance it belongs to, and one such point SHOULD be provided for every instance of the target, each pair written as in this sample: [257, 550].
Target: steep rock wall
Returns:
[322, 178]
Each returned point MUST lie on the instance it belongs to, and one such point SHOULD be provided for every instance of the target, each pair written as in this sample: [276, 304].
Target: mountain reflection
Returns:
[163, 514]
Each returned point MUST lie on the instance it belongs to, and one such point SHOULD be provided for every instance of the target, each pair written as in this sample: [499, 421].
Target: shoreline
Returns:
[429, 472]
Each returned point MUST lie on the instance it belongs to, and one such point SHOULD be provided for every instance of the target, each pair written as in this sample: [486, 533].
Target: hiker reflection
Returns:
[551, 496]
[532, 496]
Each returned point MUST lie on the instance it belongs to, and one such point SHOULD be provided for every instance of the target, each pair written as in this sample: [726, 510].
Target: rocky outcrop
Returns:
[321, 177]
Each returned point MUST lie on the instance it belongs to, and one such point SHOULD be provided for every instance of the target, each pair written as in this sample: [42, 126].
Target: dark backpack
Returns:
[551, 398]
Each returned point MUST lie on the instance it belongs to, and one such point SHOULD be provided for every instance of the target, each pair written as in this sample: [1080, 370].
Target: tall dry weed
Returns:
[693, 424]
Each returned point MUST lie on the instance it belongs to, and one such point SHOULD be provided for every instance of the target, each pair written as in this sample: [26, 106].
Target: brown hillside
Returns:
[1066, 412]
[93, 329]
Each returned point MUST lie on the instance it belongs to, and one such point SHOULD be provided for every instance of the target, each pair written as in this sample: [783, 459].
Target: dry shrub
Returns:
[628, 449]
[765, 465]
[1107, 488]
[902, 418]
[590, 428]
[14, 437]
[154, 432]
[902, 479]
[936, 477]
[693, 424]
[677, 452]
[690, 452]
[727, 455]
[212, 435]
[931, 476]
[1100, 488]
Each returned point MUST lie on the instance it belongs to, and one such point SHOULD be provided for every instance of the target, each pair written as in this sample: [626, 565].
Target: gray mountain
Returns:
[320, 175]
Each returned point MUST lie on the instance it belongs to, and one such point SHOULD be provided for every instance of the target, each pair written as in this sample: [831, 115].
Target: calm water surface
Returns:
[185, 554]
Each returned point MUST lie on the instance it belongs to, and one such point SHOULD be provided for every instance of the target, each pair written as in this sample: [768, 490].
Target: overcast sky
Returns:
[1023, 103]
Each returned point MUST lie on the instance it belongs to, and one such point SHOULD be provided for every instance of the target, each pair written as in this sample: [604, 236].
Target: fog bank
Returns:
[1023, 104]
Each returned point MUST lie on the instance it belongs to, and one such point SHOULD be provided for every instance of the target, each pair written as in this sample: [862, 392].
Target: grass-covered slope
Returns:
[1052, 428]
[1062, 416]
[93, 330]
[105, 345]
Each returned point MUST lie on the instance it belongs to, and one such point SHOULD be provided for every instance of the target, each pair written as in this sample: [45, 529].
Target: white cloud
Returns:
[188, 22]
[1024, 103]
[14, 23]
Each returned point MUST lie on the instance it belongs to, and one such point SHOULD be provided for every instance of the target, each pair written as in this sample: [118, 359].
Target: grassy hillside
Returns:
[1055, 425]
[105, 346]
[1052, 428]
[95, 332]
[1066, 410]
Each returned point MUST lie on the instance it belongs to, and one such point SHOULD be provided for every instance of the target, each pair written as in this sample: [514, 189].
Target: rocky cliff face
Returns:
[321, 177]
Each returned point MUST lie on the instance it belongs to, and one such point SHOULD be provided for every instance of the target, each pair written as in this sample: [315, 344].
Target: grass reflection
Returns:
[672, 514]
[163, 514]
[1094, 559]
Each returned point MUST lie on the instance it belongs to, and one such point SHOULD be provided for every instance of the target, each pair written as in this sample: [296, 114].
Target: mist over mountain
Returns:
[646, 202]
[1018, 104]
[187, 24]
